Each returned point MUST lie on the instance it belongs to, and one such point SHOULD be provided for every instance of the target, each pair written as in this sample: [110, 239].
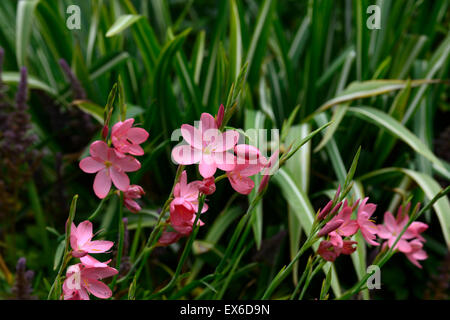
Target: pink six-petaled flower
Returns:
[127, 139]
[108, 167]
[206, 146]
[82, 243]
[81, 279]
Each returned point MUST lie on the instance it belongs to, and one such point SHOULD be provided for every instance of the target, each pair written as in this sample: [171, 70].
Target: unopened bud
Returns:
[330, 227]
[323, 213]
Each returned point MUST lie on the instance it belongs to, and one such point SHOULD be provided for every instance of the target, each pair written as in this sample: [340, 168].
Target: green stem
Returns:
[307, 271]
[67, 255]
[186, 250]
[286, 271]
[99, 208]
[143, 255]
[310, 277]
[121, 228]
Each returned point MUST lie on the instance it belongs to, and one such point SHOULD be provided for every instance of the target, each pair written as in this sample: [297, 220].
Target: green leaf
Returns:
[358, 90]
[24, 21]
[304, 211]
[258, 43]
[90, 108]
[122, 23]
[430, 187]
[437, 61]
[396, 128]
[32, 82]
[59, 254]
[254, 120]
[298, 166]
[235, 41]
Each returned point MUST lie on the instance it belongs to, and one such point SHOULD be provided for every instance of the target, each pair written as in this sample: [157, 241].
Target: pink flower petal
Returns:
[137, 135]
[241, 184]
[127, 164]
[224, 160]
[99, 149]
[207, 122]
[168, 238]
[120, 179]
[389, 222]
[186, 155]
[192, 135]
[227, 140]
[207, 169]
[132, 205]
[98, 246]
[102, 183]
[98, 289]
[135, 150]
[91, 165]
[98, 273]
[84, 233]
[91, 262]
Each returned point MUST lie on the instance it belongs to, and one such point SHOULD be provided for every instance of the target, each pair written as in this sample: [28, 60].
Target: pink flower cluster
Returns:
[341, 227]
[112, 163]
[84, 277]
[211, 149]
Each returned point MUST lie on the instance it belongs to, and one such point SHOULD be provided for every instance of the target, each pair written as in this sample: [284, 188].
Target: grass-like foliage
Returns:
[99, 200]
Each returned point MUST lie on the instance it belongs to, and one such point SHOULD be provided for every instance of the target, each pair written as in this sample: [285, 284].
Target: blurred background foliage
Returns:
[179, 58]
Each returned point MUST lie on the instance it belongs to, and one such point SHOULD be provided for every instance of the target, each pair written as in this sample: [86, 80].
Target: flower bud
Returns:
[330, 227]
[220, 115]
[207, 186]
[324, 212]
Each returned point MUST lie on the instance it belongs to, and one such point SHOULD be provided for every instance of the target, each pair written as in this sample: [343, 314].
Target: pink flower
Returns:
[109, 167]
[329, 250]
[184, 206]
[133, 192]
[81, 240]
[348, 227]
[367, 227]
[392, 228]
[81, 280]
[186, 194]
[127, 139]
[416, 253]
[347, 247]
[206, 146]
[416, 228]
[249, 162]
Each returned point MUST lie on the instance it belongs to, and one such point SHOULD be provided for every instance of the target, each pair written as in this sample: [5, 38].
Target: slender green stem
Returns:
[286, 271]
[121, 228]
[307, 271]
[137, 234]
[143, 255]
[310, 277]
[67, 255]
[186, 251]
[99, 207]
